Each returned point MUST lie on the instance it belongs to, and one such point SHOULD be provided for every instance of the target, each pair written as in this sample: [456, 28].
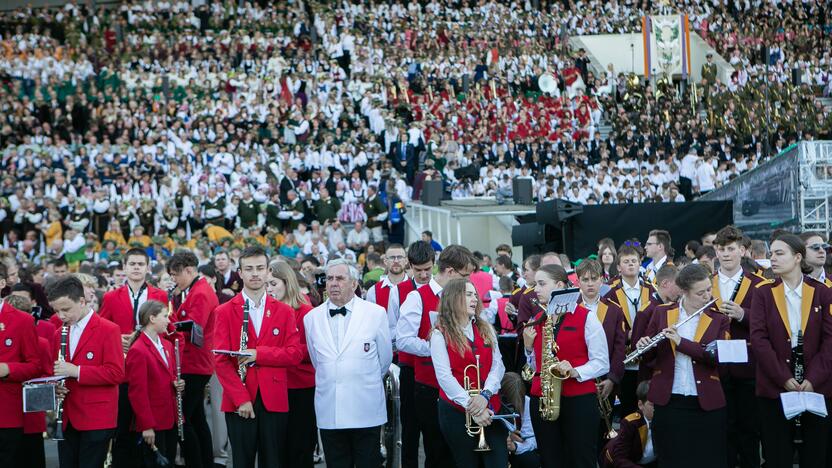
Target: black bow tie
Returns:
[340, 310]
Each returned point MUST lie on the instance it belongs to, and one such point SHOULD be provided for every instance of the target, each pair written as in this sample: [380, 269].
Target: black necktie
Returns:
[340, 310]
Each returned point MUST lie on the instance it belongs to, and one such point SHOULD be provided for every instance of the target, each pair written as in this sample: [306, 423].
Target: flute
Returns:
[180, 418]
[655, 340]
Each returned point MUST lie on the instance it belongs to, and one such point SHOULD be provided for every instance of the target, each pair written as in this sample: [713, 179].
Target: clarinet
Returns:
[241, 369]
[59, 411]
[180, 418]
[799, 370]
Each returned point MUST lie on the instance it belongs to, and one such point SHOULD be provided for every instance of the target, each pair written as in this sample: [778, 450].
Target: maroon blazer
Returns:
[740, 329]
[771, 338]
[646, 298]
[117, 306]
[612, 319]
[645, 367]
[713, 325]
[526, 308]
[627, 448]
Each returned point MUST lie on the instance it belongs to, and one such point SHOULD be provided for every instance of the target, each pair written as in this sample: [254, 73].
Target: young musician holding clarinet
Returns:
[88, 352]
[570, 350]
[151, 375]
[786, 311]
[685, 388]
[469, 369]
[255, 391]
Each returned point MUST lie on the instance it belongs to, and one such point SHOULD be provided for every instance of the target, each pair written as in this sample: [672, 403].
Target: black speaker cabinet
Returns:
[522, 190]
[432, 193]
[528, 234]
[554, 212]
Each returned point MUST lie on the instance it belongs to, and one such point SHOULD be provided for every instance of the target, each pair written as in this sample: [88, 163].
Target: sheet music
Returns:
[795, 403]
[732, 351]
[229, 352]
[815, 403]
[50, 379]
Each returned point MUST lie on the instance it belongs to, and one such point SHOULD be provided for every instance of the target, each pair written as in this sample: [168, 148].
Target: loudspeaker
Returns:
[528, 234]
[554, 212]
[432, 193]
[522, 190]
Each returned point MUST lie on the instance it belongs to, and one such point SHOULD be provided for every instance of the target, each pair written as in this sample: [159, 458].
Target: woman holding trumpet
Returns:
[469, 369]
[574, 345]
[151, 374]
[685, 388]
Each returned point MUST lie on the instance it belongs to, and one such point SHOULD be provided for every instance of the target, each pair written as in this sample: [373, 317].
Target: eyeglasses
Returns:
[819, 247]
[396, 258]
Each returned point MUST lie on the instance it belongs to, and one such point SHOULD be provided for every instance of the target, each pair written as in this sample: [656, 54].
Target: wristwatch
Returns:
[486, 394]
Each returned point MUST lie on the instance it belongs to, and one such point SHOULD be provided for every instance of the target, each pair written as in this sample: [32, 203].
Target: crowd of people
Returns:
[247, 356]
[171, 117]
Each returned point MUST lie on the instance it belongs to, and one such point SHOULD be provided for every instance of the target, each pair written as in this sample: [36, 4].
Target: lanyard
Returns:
[135, 299]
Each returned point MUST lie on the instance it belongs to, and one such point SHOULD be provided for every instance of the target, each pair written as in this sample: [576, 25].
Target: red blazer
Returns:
[18, 349]
[45, 329]
[771, 338]
[92, 402]
[713, 325]
[626, 449]
[740, 329]
[199, 306]
[150, 385]
[612, 319]
[278, 347]
[117, 307]
[35, 423]
[302, 375]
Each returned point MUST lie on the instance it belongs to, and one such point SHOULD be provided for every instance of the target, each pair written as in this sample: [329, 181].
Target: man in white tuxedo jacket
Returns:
[349, 343]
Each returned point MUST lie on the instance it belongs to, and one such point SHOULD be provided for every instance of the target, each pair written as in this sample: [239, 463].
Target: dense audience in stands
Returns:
[172, 123]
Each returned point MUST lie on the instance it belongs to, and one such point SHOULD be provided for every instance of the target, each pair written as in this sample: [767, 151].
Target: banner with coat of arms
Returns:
[666, 45]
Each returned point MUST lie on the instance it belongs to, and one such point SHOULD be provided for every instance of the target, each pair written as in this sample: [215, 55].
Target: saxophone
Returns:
[551, 380]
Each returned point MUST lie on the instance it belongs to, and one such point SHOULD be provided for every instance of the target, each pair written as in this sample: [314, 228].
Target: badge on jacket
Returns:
[275, 331]
[90, 355]
[8, 341]
[366, 347]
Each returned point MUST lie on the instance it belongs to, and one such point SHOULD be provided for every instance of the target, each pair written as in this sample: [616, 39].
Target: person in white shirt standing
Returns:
[349, 344]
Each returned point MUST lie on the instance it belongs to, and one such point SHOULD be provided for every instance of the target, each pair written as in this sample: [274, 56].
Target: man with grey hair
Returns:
[350, 347]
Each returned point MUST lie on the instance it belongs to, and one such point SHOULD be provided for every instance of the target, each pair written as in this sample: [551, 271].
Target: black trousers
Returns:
[777, 435]
[743, 425]
[126, 449]
[570, 441]
[437, 453]
[10, 446]
[407, 414]
[679, 423]
[32, 449]
[627, 393]
[197, 447]
[84, 449]
[452, 423]
[165, 444]
[303, 429]
[348, 448]
[262, 438]
[529, 459]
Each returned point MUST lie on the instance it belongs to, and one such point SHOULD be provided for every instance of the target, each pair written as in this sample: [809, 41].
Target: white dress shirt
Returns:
[392, 305]
[794, 300]
[410, 317]
[633, 294]
[649, 455]
[727, 284]
[158, 344]
[338, 324]
[684, 382]
[654, 267]
[255, 311]
[442, 367]
[596, 344]
[75, 332]
[137, 298]
[529, 441]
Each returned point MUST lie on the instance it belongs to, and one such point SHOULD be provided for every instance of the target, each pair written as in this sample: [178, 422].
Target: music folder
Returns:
[194, 330]
[228, 352]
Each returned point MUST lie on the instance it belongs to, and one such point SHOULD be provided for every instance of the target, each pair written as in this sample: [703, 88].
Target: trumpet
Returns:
[658, 338]
[473, 388]
[59, 412]
[605, 407]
